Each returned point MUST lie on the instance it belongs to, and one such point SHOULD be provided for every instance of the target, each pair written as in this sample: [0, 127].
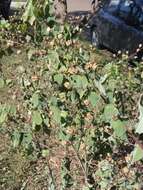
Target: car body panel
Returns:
[114, 32]
[5, 8]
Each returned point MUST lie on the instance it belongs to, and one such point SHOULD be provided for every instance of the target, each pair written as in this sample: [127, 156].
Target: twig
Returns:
[51, 176]
[81, 164]
[24, 184]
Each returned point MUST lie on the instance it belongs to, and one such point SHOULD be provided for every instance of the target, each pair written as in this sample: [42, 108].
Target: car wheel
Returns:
[95, 39]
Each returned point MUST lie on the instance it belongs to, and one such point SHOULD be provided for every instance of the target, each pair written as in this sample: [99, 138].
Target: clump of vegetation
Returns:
[70, 117]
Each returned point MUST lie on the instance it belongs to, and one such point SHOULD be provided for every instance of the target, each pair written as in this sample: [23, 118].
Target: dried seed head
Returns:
[137, 50]
[127, 52]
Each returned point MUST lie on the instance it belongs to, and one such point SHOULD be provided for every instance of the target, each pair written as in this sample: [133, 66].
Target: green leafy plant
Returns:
[72, 113]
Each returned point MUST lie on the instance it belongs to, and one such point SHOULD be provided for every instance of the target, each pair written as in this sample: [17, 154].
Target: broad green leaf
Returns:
[73, 96]
[54, 59]
[100, 87]
[80, 81]
[110, 111]
[63, 136]
[16, 136]
[30, 53]
[93, 98]
[139, 126]
[137, 153]
[119, 129]
[3, 116]
[58, 78]
[29, 15]
[45, 152]
[36, 118]
[84, 81]
[107, 68]
[53, 101]
[4, 24]
[110, 96]
[35, 100]
[104, 183]
[56, 114]
[46, 121]
[62, 68]
[86, 188]
[103, 78]
[12, 110]
[4, 110]
[76, 81]
[8, 81]
[2, 83]
[112, 84]
[27, 139]
[77, 119]
[81, 92]
[64, 114]
[26, 82]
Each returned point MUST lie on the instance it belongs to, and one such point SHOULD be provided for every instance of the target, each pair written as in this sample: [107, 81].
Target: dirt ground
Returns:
[79, 5]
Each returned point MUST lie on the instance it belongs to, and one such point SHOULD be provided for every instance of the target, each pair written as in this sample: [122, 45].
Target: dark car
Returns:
[118, 25]
[5, 8]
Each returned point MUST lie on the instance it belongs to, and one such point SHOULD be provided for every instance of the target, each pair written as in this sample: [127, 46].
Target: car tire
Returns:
[95, 38]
